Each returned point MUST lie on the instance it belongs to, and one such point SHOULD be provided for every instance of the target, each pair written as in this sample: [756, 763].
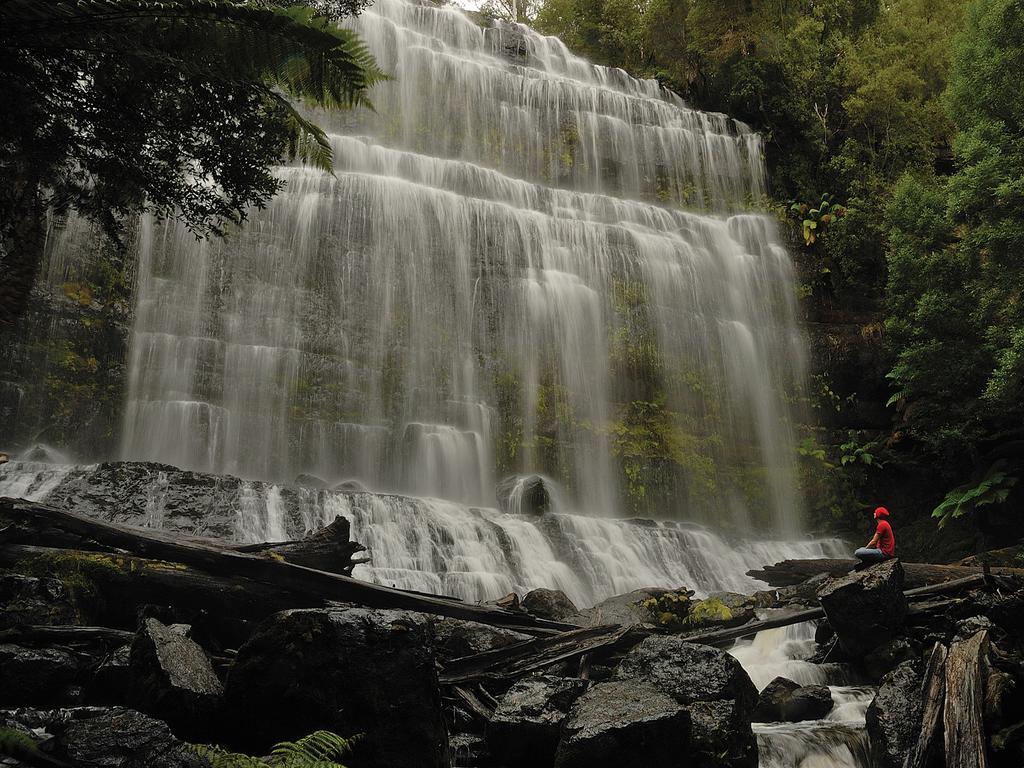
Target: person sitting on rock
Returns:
[882, 545]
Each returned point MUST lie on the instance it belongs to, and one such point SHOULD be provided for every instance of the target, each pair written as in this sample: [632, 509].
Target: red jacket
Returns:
[886, 540]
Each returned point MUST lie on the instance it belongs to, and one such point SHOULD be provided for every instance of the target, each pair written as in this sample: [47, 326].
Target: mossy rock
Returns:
[670, 609]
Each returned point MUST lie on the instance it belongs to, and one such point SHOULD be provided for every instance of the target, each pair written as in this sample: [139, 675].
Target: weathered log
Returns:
[315, 584]
[722, 637]
[59, 635]
[329, 549]
[115, 585]
[516, 660]
[472, 702]
[792, 572]
[933, 693]
[963, 715]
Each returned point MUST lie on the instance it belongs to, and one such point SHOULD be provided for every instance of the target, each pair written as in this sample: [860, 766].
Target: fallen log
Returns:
[512, 661]
[61, 634]
[297, 579]
[329, 549]
[963, 715]
[933, 693]
[791, 572]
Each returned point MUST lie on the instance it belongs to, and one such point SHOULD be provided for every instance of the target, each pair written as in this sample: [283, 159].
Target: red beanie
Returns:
[881, 512]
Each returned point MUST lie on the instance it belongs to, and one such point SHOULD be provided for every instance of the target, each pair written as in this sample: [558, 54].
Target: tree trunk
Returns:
[791, 572]
[963, 717]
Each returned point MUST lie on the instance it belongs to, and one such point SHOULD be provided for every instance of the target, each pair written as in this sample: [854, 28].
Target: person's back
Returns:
[883, 544]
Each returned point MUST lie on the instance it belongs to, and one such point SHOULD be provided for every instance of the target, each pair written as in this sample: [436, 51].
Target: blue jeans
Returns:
[870, 555]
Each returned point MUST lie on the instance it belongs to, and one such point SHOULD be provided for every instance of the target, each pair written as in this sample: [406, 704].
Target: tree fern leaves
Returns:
[321, 749]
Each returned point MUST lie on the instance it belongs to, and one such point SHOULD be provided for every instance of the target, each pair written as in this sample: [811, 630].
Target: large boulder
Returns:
[35, 676]
[712, 686]
[784, 700]
[552, 604]
[523, 495]
[866, 609]
[624, 724]
[721, 609]
[123, 738]
[456, 637]
[894, 716]
[347, 670]
[528, 719]
[172, 679]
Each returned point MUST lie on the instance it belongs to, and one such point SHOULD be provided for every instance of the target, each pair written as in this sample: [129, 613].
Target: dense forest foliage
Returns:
[907, 115]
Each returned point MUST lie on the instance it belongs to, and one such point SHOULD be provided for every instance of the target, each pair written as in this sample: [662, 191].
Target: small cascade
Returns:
[426, 544]
[838, 741]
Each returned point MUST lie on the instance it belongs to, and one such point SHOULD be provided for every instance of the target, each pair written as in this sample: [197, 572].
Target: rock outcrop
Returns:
[894, 717]
[550, 604]
[525, 728]
[624, 724]
[866, 609]
[784, 700]
[348, 670]
[172, 679]
[35, 676]
[711, 685]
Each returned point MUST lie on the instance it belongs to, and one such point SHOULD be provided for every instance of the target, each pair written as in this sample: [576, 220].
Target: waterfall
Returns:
[522, 263]
[425, 544]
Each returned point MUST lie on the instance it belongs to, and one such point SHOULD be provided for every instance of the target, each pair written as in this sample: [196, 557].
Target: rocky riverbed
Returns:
[94, 674]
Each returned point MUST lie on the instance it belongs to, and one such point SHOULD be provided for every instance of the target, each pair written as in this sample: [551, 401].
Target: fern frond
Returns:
[320, 749]
[221, 758]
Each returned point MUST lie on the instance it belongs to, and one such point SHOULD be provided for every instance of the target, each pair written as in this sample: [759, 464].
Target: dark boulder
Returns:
[111, 683]
[123, 738]
[866, 609]
[783, 700]
[526, 724]
[31, 600]
[885, 658]
[894, 716]
[172, 679]
[624, 724]
[520, 495]
[347, 670]
[456, 637]
[552, 604]
[35, 676]
[713, 687]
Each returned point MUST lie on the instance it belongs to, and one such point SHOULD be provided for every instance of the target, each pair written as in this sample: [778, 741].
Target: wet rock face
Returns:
[550, 604]
[523, 495]
[624, 724]
[349, 670]
[711, 685]
[454, 637]
[172, 679]
[784, 700]
[621, 609]
[526, 724]
[34, 676]
[866, 609]
[894, 717]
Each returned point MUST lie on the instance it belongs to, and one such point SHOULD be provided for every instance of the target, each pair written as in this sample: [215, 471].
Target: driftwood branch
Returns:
[293, 578]
[516, 660]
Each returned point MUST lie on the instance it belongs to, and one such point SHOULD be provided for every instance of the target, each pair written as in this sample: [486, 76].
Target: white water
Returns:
[443, 547]
[838, 741]
[458, 300]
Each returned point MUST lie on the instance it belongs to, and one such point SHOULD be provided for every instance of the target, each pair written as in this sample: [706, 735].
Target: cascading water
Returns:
[523, 262]
[838, 741]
